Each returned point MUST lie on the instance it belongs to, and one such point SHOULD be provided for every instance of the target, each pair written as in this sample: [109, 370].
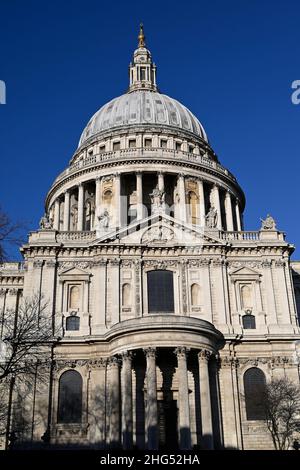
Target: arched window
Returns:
[126, 295]
[192, 201]
[72, 323]
[254, 387]
[195, 294]
[246, 296]
[74, 297]
[70, 397]
[160, 291]
[249, 322]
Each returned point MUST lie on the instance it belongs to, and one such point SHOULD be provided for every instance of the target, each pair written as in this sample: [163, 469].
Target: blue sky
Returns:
[231, 62]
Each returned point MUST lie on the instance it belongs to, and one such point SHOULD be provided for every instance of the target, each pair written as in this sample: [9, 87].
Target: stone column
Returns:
[98, 208]
[56, 214]
[80, 206]
[161, 181]
[201, 203]
[139, 195]
[161, 187]
[238, 216]
[151, 409]
[183, 398]
[114, 402]
[228, 210]
[114, 274]
[117, 184]
[99, 281]
[205, 400]
[67, 211]
[182, 199]
[216, 202]
[126, 383]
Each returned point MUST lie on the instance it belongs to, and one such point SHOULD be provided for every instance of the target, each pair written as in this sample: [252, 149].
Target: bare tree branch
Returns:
[281, 401]
[10, 234]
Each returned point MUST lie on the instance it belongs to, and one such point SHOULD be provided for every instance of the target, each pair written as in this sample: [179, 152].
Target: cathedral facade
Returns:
[169, 312]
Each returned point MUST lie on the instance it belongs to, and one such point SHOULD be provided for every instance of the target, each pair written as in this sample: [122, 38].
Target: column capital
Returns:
[138, 172]
[98, 179]
[99, 363]
[181, 352]
[113, 362]
[181, 175]
[126, 356]
[204, 355]
[80, 184]
[150, 352]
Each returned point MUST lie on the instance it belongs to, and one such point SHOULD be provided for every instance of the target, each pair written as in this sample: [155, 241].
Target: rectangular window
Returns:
[160, 291]
[191, 148]
[163, 143]
[132, 143]
[148, 142]
[116, 146]
[178, 145]
[90, 152]
[102, 149]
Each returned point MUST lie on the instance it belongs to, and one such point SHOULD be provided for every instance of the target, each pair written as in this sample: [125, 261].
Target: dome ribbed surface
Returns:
[142, 107]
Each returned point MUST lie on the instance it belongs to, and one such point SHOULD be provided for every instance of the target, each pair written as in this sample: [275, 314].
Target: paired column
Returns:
[151, 410]
[139, 195]
[98, 208]
[80, 206]
[56, 214]
[228, 210]
[161, 181]
[114, 402]
[182, 198]
[183, 398]
[216, 203]
[205, 400]
[201, 203]
[238, 216]
[117, 199]
[126, 383]
[67, 211]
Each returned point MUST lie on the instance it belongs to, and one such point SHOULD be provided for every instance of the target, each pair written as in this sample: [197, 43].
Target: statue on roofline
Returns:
[268, 223]
[46, 222]
[211, 218]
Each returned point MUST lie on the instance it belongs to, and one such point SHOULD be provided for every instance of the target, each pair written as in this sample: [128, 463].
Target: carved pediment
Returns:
[160, 229]
[74, 273]
[245, 272]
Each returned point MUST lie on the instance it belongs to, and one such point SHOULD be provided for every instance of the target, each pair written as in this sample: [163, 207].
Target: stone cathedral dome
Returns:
[143, 107]
[143, 104]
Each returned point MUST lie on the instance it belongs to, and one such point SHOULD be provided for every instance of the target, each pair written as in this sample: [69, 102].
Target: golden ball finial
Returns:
[141, 36]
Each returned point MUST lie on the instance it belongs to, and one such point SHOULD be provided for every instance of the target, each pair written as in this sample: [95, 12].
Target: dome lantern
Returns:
[142, 71]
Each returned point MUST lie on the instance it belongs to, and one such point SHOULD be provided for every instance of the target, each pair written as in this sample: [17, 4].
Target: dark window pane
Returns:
[254, 386]
[160, 291]
[70, 397]
[72, 323]
[249, 322]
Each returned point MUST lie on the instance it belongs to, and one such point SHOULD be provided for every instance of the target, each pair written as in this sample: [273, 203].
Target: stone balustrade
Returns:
[147, 153]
